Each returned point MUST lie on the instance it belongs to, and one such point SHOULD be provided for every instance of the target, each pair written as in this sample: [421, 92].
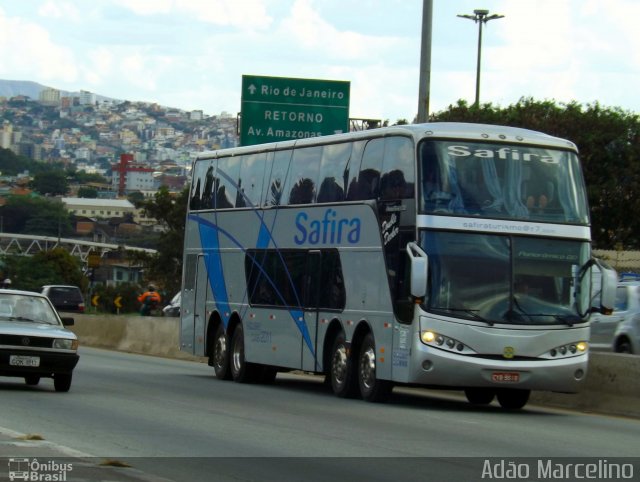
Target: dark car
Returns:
[34, 342]
[64, 297]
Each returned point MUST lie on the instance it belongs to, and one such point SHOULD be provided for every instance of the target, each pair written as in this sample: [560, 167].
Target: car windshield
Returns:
[19, 307]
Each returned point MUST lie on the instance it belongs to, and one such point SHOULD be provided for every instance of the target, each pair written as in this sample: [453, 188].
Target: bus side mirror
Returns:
[609, 283]
[419, 270]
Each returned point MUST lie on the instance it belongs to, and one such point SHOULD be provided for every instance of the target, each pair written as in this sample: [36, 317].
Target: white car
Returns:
[34, 342]
[173, 308]
[620, 331]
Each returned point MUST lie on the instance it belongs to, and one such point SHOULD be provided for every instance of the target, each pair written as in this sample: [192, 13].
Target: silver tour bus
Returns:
[443, 255]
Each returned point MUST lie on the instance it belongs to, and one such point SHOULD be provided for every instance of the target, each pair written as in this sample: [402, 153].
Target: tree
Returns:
[52, 182]
[41, 216]
[56, 266]
[87, 192]
[165, 267]
[609, 143]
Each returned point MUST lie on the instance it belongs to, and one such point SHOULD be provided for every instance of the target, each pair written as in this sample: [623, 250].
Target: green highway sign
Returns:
[281, 108]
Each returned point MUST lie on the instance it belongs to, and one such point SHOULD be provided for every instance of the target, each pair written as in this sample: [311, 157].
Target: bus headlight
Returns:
[443, 342]
[428, 337]
[570, 349]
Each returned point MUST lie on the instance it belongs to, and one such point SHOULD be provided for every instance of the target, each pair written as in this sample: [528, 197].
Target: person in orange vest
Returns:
[150, 300]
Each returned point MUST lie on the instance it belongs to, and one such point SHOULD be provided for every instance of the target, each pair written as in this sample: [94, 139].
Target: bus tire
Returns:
[480, 396]
[267, 374]
[241, 371]
[220, 354]
[513, 398]
[341, 369]
[372, 389]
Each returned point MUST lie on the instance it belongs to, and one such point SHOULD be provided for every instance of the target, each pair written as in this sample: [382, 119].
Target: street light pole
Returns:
[425, 62]
[480, 16]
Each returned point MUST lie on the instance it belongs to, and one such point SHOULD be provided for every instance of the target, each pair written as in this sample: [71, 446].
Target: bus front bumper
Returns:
[440, 368]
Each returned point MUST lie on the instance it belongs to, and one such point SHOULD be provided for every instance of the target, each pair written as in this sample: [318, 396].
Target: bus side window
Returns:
[202, 178]
[194, 201]
[279, 169]
[303, 176]
[368, 185]
[334, 173]
[398, 178]
[228, 174]
[332, 292]
[352, 170]
[251, 179]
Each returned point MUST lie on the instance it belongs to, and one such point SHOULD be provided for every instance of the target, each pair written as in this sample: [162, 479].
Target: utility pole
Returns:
[425, 61]
[480, 16]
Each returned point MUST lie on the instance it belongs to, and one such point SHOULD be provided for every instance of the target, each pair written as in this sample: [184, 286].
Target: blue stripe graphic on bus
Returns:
[209, 241]
[211, 245]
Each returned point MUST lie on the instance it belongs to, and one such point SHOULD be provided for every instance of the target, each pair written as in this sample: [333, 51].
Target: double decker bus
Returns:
[443, 255]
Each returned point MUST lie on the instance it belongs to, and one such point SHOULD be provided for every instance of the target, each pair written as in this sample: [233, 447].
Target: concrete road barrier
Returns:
[612, 386]
[149, 335]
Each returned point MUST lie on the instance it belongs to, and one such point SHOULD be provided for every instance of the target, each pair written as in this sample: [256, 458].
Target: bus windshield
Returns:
[501, 181]
[506, 279]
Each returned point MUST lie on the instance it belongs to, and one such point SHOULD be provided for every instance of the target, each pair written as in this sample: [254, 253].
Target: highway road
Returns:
[174, 418]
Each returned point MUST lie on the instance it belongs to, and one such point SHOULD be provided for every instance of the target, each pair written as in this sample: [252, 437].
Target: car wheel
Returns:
[62, 382]
[32, 380]
[342, 374]
[624, 346]
[480, 396]
[220, 356]
[241, 371]
[513, 398]
[372, 389]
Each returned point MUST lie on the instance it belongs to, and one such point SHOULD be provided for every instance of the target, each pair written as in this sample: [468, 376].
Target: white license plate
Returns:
[24, 361]
[505, 377]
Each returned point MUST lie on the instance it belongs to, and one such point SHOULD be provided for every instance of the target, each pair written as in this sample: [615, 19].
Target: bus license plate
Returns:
[505, 377]
[24, 361]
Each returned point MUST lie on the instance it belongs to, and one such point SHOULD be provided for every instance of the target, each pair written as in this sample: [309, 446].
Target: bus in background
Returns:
[443, 255]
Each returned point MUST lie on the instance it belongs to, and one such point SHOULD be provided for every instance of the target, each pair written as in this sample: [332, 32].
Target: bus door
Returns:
[200, 306]
[311, 313]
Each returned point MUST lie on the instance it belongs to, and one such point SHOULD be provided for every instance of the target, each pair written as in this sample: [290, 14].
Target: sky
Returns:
[192, 54]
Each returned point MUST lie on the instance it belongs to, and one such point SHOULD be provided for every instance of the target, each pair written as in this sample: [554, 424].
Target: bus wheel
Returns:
[241, 371]
[480, 396]
[220, 356]
[372, 389]
[341, 369]
[513, 398]
[267, 374]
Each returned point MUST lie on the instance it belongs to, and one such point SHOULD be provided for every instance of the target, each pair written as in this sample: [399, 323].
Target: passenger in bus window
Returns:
[539, 197]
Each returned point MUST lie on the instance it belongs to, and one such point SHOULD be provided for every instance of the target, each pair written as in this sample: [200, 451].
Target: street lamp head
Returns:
[481, 15]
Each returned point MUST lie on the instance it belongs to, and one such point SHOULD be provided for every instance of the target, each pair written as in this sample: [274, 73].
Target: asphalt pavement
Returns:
[27, 457]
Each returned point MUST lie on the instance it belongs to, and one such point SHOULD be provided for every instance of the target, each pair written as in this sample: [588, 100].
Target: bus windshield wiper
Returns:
[473, 313]
[569, 320]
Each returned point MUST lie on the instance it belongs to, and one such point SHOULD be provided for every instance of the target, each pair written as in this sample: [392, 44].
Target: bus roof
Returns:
[436, 130]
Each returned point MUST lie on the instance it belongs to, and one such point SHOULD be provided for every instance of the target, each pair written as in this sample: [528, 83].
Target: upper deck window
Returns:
[501, 181]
